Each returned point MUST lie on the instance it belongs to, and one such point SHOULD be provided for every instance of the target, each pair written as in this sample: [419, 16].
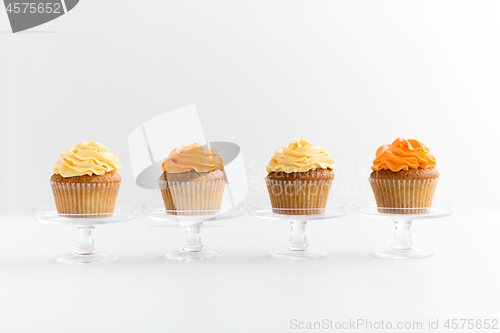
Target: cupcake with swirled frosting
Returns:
[85, 182]
[193, 181]
[299, 179]
[404, 176]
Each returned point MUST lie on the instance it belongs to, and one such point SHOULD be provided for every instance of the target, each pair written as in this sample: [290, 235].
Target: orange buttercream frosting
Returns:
[194, 157]
[403, 154]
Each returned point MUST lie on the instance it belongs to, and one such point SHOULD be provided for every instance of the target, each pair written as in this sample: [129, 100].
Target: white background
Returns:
[348, 76]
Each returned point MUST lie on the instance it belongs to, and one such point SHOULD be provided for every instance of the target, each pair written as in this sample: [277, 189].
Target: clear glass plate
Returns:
[438, 209]
[48, 214]
[156, 211]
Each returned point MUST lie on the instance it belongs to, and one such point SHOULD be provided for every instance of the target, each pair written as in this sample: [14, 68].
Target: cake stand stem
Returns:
[298, 239]
[298, 247]
[86, 253]
[402, 238]
[193, 238]
[86, 243]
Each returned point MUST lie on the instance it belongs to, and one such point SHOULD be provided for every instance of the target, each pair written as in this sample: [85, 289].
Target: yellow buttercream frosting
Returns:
[299, 156]
[194, 157]
[91, 158]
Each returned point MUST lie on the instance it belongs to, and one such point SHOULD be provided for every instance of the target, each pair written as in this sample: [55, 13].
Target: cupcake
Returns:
[299, 179]
[86, 181]
[193, 181]
[404, 176]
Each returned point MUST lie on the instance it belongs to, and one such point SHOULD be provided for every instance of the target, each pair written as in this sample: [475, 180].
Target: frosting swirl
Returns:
[194, 157]
[299, 156]
[403, 154]
[91, 158]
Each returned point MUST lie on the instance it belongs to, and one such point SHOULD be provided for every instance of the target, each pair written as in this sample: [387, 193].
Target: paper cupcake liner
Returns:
[403, 193]
[299, 197]
[80, 199]
[192, 198]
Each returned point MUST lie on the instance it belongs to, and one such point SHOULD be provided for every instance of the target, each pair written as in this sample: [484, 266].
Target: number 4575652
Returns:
[471, 324]
[29, 7]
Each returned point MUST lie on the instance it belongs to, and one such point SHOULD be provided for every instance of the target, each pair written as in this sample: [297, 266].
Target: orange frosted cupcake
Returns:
[299, 179]
[193, 181]
[86, 180]
[404, 176]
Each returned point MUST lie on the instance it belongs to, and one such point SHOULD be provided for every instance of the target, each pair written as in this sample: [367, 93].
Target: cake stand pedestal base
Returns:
[192, 256]
[98, 257]
[298, 254]
[391, 253]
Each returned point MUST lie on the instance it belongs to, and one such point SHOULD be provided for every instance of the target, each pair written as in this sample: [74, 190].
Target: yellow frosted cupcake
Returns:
[193, 181]
[404, 176]
[86, 180]
[299, 179]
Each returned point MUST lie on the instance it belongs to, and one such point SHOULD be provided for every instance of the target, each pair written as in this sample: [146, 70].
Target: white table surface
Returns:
[245, 291]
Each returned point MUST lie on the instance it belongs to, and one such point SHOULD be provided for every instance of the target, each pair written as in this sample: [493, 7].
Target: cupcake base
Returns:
[299, 193]
[404, 196]
[86, 196]
[192, 197]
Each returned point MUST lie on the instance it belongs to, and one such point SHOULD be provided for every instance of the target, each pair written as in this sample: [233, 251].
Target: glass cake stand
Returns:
[298, 247]
[402, 247]
[192, 221]
[85, 253]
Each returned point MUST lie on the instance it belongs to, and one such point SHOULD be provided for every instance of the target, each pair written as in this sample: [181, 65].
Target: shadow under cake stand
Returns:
[193, 221]
[86, 252]
[298, 247]
[402, 247]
